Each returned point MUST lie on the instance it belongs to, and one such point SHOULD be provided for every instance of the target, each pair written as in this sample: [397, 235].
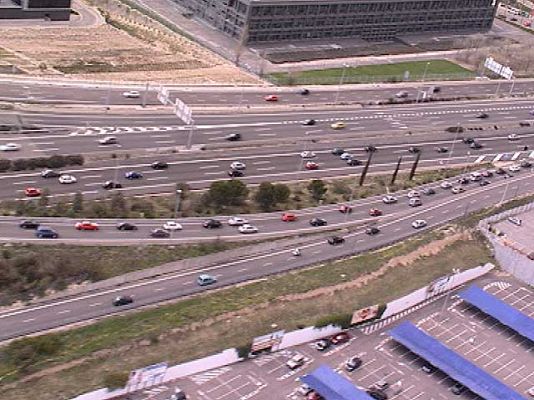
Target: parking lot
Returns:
[523, 235]
[472, 334]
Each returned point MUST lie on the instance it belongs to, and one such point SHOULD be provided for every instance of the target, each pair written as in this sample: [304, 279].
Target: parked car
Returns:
[353, 363]
[307, 154]
[428, 368]
[205, 280]
[122, 300]
[234, 173]
[304, 389]
[458, 389]
[337, 151]
[515, 221]
[313, 395]
[341, 337]
[335, 240]
[296, 361]
[321, 345]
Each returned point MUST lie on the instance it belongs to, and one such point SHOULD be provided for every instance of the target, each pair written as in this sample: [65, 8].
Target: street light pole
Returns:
[177, 203]
[455, 271]
[145, 93]
[425, 71]
[190, 136]
[341, 79]
[453, 142]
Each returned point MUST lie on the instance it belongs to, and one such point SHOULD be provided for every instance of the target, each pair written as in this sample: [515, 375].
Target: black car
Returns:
[212, 224]
[335, 240]
[414, 150]
[484, 183]
[372, 230]
[159, 165]
[318, 222]
[463, 180]
[122, 300]
[309, 122]
[370, 148]
[29, 224]
[160, 233]
[322, 345]
[475, 145]
[525, 164]
[353, 162]
[482, 116]
[442, 149]
[233, 137]
[126, 226]
[458, 389]
[49, 173]
[377, 394]
[304, 92]
[524, 123]
[337, 151]
[468, 140]
[353, 363]
[500, 171]
[234, 173]
[133, 175]
[111, 185]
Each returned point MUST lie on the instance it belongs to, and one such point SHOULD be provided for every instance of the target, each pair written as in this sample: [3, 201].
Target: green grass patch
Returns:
[435, 70]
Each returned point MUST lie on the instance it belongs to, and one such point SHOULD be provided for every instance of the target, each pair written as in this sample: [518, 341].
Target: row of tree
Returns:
[56, 161]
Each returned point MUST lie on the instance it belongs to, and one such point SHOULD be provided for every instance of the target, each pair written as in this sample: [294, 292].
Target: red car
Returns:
[314, 396]
[375, 212]
[341, 337]
[289, 217]
[271, 97]
[86, 226]
[345, 209]
[32, 192]
[312, 165]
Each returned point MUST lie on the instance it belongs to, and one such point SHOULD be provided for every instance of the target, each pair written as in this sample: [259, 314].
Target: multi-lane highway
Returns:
[394, 225]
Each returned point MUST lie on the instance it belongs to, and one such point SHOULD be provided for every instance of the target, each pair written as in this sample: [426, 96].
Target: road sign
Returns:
[147, 376]
[183, 112]
[267, 342]
[163, 95]
[499, 69]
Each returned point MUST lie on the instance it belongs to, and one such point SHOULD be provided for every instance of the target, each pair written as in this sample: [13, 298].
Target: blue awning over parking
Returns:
[502, 312]
[333, 386]
[454, 365]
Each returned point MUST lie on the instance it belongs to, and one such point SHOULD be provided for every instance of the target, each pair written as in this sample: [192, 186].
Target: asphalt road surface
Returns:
[395, 225]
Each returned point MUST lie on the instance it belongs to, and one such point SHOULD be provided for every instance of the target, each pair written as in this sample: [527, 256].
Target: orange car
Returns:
[86, 226]
[375, 212]
[32, 192]
[271, 97]
[289, 217]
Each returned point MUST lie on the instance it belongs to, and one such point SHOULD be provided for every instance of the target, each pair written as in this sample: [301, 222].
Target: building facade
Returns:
[258, 21]
[54, 10]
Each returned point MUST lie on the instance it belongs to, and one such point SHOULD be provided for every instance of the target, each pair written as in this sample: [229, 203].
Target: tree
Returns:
[115, 380]
[44, 200]
[317, 189]
[77, 202]
[281, 193]
[118, 205]
[265, 196]
[227, 193]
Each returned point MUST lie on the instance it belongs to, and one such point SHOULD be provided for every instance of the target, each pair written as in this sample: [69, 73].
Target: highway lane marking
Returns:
[44, 150]
[259, 162]
[266, 168]
[63, 312]
[28, 320]
[92, 176]
[212, 166]
[213, 173]
[95, 304]
[23, 182]
[164, 141]
[158, 178]
[267, 134]
[43, 143]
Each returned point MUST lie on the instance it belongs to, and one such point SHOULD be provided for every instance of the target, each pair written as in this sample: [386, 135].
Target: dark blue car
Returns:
[44, 232]
[133, 175]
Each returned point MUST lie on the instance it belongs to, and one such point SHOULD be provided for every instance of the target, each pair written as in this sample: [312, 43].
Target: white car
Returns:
[413, 193]
[108, 140]
[132, 94]
[512, 137]
[304, 389]
[10, 147]
[457, 189]
[238, 165]
[237, 221]
[515, 221]
[296, 361]
[418, 223]
[445, 185]
[247, 228]
[531, 391]
[475, 177]
[389, 199]
[415, 202]
[67, 179]
[345, 156]
[401, 95]
[307, 154]
[172, 226]
[514, 168]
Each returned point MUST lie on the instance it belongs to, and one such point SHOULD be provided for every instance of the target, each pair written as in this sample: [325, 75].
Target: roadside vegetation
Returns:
[85, 358]
[226, 197]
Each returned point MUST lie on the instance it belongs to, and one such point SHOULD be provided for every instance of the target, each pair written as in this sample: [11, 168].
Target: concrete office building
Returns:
[374, 20]
[54, 10]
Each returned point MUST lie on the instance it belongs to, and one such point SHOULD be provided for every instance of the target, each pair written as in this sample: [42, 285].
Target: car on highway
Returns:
[482, 115]
[172, 226]
[307, 154]
[304, 91]
[321, 345]
[86, 226]
[445, 185]
[524, 123]
[122, 300]
[308, 122]
[353, 363]
[513, 137]
[29, 224]
[345, 156]
[418, 223]
[487, 173]
[415, 202]
[49, 173]
[131, 175]
[212, 224]
[108, 140]
[160, 233]
[500, 171]
[271, 97]
[463, 180]
[32, 192]
[247, 228]
[476, 145]
[484, 182]
[67, 179]
[375, 212]
[468, 140]
[457, 189]
[353, 162]
[338, 125]
[234, 173]
[335, 240]
[108, 185]
[289, 217]
[514, 168]
[442, 149]
[413, 193]
[312, 166]
[237, 221]
[126, 226]
[389, 199]
[428, 191]
[401, 94]
[337, 151]
[238, 166]
[414, 150]
[131, 94]
[205, 280]
[10, 147]
[45, 232]
[475, 176]
[372, 230]
[233, 137]
[340, 338]
[159, 165]
[296, 361]
[318, 222]
[370, 148]
[345, 209]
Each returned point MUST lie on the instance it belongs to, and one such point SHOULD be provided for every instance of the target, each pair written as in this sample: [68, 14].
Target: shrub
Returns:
[5, 165]
[25, 352]
[19, 164]
[342, 320]
[244, 351]
[115, 380]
